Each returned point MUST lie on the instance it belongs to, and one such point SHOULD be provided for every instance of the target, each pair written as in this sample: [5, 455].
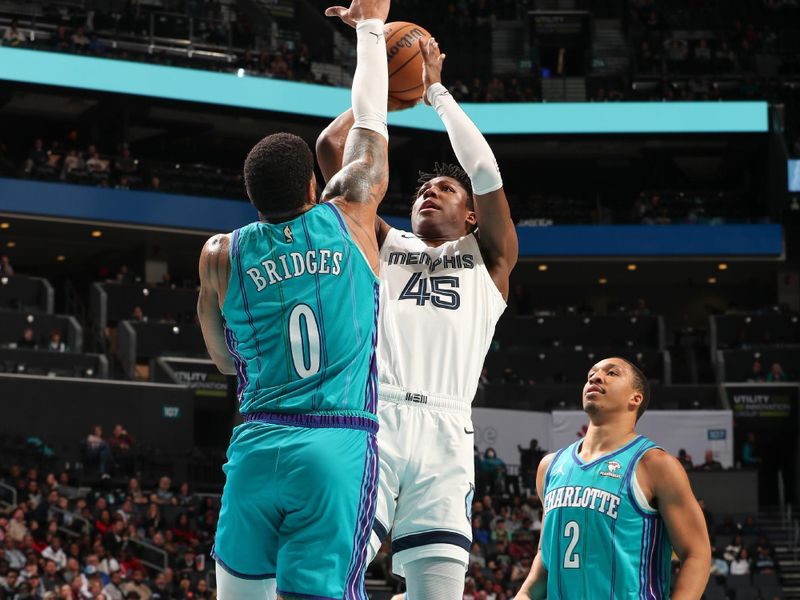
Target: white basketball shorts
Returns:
[427, 475]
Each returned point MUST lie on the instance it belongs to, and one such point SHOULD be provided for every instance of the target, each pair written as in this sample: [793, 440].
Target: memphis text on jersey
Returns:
[577, 496]
[295, 264]
[459, 261]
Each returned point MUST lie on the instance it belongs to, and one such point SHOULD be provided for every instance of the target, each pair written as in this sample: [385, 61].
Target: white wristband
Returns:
[471, 148]
[371, 80]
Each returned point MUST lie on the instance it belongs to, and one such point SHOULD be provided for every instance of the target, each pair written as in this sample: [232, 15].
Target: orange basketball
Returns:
[405, 59]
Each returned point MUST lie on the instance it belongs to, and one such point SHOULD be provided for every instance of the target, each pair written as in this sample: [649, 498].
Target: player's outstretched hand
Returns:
[360, 10]
[432, 61]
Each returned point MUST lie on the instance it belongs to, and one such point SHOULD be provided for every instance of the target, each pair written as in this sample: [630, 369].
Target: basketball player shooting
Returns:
[443, 288]
[289, 304]
[615, 505]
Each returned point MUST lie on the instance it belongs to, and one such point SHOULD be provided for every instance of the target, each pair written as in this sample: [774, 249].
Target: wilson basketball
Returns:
[405, 59]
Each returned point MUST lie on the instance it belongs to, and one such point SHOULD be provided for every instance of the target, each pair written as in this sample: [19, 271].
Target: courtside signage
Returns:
[260, 93]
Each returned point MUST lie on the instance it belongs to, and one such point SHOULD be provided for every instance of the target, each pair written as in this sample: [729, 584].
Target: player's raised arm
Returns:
[361, 183]
[496, 231]
[535, 585]
[214, 268]
[684, 520]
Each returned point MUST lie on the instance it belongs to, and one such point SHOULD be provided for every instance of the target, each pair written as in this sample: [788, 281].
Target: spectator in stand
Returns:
[529, 459]
[113, 589]
[55, 553]
[136, 493]
[763, 562]
[125, 276]
[95, 164]
[37, 156]
[685, 459]
[163, 494]
[27, 341]
[124, 163]
[777, 374]
[732, 549]
[121, 443]
[61, 41]
[79, 40]
[710, 464]
[13, 36]
[98, 449]
[137, 586]
[54, 343]
[17, 529]
[756, 373]
[73, 162]
[51, 580]
[5, 266]
[494, 470]
[741, 566]
[138, 314]
[749, 455]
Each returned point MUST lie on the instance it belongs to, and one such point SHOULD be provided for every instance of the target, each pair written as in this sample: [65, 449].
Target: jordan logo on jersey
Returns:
[613, 467]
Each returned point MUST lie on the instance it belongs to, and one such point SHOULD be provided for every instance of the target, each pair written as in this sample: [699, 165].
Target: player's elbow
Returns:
[485, 176]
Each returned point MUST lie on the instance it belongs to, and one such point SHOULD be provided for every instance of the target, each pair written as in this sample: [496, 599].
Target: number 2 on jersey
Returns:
[441, 295]
[572, 559]
[304, 339]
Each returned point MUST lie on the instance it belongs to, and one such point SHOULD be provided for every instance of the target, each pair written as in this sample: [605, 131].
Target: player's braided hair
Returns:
[447, 170]
[277, 172]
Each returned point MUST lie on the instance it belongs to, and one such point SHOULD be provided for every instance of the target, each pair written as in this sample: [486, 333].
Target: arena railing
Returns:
[144, 551]
[70, 518]
[11, 492]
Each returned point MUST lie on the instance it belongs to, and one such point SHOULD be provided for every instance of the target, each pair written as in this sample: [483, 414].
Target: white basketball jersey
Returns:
[439, 307]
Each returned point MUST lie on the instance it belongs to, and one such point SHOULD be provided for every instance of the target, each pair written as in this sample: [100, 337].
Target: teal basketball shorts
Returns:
[299, 502]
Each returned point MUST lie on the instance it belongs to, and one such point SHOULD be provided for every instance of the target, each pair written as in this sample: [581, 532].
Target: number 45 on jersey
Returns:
[442, 292]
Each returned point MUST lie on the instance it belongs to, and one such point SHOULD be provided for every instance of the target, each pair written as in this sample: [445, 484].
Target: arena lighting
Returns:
[3, 280]
[97, 233]
[543, 267]
[145, 292]
[11, 244]
[712, 280]
[632, 267]
[29, 318]
[602, 281]
[61, 258]
[723, 266]
[176, 330]
[5, 225]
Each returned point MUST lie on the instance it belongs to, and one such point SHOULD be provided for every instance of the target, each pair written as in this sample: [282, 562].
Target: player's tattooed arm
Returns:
[535, 585]
[665, 481]
[365, 175]
[214, 273]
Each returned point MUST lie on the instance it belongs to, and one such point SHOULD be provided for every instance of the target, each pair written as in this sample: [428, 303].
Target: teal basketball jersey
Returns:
[600, 540]
[301, 315]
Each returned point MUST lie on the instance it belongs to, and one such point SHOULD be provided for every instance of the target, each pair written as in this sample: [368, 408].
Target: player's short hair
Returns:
[447, 170]
[641, 385]
[277, 171]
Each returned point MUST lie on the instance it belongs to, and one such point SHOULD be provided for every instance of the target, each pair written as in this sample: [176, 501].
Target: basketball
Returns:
[405, 59]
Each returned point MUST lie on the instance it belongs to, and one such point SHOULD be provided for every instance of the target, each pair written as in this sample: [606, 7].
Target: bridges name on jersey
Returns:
[295, 264]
